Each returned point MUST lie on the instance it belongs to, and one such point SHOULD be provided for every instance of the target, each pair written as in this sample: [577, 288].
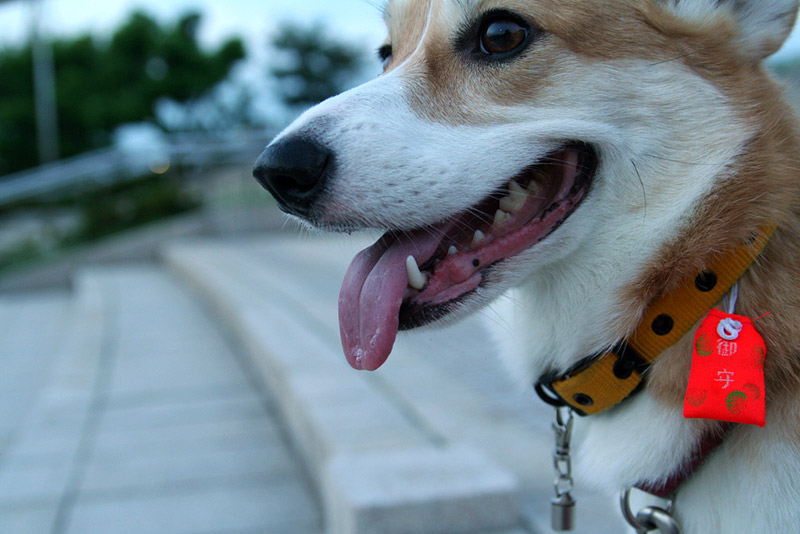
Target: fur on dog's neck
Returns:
[763, 188]
[646, 439]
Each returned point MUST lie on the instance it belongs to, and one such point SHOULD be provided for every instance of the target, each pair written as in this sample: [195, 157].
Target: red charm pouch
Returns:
[727, 378]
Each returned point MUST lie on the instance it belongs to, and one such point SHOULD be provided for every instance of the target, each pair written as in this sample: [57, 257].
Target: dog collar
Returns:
[603, 380]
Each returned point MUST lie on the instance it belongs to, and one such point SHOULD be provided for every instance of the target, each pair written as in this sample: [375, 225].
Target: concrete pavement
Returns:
[208, 394]
[147, 423]
[441, 391]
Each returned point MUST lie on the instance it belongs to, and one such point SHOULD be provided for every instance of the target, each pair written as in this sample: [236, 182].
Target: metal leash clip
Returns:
[563, 505]
[650, 518]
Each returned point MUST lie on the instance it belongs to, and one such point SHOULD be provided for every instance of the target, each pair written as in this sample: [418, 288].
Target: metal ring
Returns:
[547, 395]
[660, 519]
[627, 513]
[625, 504]
[564, 486]
[563, 465]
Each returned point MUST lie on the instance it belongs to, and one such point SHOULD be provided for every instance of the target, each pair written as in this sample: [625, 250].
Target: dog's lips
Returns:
[377, 300]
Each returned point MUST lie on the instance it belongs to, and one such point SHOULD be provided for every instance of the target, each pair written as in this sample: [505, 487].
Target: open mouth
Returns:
[408, 279]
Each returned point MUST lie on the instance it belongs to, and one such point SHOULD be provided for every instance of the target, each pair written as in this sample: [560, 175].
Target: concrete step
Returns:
[38, 463]
[438, 440]
[150, 424]
[32, 327]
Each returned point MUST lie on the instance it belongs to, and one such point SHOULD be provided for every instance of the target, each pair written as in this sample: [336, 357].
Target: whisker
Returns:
[683, 162]
[682, 56]
[644, 190]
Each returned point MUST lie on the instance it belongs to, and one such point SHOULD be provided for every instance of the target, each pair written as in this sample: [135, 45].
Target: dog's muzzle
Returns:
[294, 170]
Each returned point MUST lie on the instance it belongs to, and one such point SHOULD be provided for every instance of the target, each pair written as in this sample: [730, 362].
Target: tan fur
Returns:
[447, 92]
[407, 19]
[574, 31]
[764, 189]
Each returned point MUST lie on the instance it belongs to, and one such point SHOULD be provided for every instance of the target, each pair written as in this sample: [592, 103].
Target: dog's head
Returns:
[569, 146]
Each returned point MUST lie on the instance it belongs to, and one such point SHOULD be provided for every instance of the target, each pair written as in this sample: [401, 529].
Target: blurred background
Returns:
[117, 114]
[169, 354]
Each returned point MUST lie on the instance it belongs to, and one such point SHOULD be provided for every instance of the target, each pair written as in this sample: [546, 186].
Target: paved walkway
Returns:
[146, 423]
[440, 388]
[209, 395]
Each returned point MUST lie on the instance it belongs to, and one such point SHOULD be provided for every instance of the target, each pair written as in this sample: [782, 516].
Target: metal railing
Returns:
[110, 165]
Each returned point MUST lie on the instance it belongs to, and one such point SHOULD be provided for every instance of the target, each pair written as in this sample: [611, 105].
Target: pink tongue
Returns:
[372, 293]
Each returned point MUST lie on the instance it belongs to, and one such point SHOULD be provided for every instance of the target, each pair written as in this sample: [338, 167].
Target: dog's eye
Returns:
[503, 36]
[385, 54]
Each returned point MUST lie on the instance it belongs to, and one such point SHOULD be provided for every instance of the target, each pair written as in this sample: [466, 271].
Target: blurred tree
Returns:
[100, 85]
[228, 106]
[312, 66]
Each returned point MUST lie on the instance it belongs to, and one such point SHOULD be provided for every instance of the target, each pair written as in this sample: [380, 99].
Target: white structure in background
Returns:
[143, 144]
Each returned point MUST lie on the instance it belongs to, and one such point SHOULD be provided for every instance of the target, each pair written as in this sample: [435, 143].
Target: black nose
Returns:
[294, 171]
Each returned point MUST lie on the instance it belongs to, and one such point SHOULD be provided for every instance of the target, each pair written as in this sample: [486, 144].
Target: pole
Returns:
[44, 88]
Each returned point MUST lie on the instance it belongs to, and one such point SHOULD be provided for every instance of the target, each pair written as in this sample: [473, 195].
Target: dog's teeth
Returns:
[534, 187]
[416, 279]
[499, 218]
[514, 187]
[512, 203]
[452, 250]
[478, 238]
[515, 200]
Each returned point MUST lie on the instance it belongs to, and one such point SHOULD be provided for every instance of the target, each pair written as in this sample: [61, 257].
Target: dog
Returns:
[586, 157]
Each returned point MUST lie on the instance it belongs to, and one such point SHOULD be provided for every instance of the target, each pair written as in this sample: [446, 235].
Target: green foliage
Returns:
[100, 85]
[129, 204]
[311, 66]
[22, 252]
[17, 123]
[103, 211]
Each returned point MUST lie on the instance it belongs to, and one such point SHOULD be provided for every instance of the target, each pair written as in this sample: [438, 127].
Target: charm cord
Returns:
[563, 505]
[731, 298]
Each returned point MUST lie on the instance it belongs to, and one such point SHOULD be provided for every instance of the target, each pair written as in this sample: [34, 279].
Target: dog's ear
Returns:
[763, 24]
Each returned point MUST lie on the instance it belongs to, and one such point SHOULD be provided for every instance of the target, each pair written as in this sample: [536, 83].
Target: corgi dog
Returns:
[586, 157]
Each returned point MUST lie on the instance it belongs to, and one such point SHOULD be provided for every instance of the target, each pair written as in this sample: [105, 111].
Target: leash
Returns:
[601, 381]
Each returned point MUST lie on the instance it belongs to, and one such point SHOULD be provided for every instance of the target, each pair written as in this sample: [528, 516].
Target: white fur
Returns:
[665, 137]
[647, 454]
[763, 25]
[749, 485]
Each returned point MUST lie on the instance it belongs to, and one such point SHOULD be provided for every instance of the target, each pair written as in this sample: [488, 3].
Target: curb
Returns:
[377, 468]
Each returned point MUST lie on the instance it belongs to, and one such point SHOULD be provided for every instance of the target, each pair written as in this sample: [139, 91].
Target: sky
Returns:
[252, 19]
[359, 20]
